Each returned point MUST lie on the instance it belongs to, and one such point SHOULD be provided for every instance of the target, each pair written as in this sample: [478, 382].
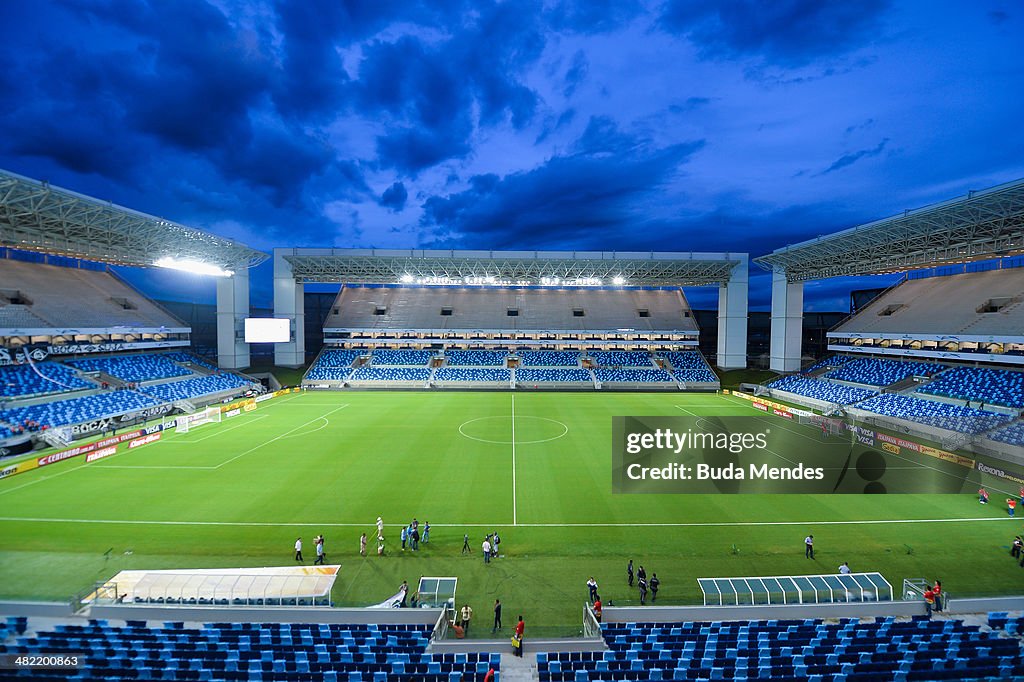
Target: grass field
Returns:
[534, 466]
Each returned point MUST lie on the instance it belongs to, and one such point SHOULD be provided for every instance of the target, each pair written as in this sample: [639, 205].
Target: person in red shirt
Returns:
[929, 600]
[1011, 505]
[597, 609]
[520, 626]
[982, 496]
[937, 594]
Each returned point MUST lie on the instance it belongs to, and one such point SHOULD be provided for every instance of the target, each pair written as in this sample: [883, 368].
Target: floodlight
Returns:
[408, 279]
[618, 280]
[192, 266]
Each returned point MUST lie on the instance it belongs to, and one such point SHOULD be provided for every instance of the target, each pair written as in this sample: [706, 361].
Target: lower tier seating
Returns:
[690, 366]
[882, 371]
[77, 410]
[549, 358]
[133, 367]
[470, 374]
[528, 375]
[637, 376]
[821, 389]
[993, 386]
[189, 389]
[933, 413]
[621, 358]
[390, 374]
[475, 358]
[17, 381]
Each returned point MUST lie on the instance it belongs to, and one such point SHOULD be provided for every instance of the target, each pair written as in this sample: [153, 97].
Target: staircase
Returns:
[519, 669]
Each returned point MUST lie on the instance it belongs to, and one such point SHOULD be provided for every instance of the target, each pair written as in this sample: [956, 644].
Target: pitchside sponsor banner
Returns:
[1000, 471]
[18, 468]
[100, 454]
[145, 440]
[708, 455]
[233, 413]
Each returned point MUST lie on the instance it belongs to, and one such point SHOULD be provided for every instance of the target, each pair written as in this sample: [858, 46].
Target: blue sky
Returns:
[593, 125]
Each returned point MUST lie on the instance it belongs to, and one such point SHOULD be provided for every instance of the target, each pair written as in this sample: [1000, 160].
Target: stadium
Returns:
[551, 342]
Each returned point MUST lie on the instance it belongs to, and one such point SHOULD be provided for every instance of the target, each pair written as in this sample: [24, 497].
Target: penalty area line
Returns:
[710, 524]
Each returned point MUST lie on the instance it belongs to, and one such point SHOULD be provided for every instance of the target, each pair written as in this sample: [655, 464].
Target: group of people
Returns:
[411, 534]
[489, 546]
[933, 598]
[318, 542]
[1011, 502]
[1017, 550]
[642, 583]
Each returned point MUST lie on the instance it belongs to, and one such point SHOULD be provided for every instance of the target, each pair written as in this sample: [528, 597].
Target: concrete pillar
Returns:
[289, 303]
[787, 323]
[732, 317]
[232, 309]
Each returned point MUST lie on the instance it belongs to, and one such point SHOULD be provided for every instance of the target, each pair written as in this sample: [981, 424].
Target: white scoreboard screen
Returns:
[267, 330]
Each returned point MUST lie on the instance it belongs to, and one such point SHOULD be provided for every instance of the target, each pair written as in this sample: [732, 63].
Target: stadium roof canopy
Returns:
[505, 268]
[985, 224]
[36, 216]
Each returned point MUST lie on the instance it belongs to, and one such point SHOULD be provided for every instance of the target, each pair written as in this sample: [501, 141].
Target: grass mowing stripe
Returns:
[514, 515]
[280, 436]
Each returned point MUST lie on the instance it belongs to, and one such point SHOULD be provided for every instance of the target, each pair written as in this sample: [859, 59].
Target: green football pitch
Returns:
[535, 467]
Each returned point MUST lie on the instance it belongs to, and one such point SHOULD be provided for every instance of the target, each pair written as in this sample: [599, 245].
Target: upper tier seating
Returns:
[133, 367]
[882, 372]
[273, 652]
[23, 380]
[994, 386]
[884, 649]
[418, 374]
[1012, 434]
[621, 358]
[77, 410]
[187, 389]
[820, 389]
[484, 308]
[389, 357]
[529, 375]
[947, 305]
[188, 358]
[473, 374]
[933, 413]
[14, 316]
[639, 376]
[549, 358]
[690, 366]
[475, 358]
[100, 299]
[333, 364]
[831, 361]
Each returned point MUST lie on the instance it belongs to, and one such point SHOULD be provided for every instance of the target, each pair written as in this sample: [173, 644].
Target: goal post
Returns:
[187, 422]
[835, 427]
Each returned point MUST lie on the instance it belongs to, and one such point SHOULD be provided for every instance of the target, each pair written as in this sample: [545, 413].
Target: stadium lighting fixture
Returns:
[192, 266]
[618, 280]
[407, 279]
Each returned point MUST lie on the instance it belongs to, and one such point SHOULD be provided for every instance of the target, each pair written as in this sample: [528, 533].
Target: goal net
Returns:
[187, 422]
[833, 426]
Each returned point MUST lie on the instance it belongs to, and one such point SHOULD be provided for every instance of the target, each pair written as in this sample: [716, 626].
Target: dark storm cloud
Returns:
[784, 32]
[394, 197]
[576, 73]
[852, 158]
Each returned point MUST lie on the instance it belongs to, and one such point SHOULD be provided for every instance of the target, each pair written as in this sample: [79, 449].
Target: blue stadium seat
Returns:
[135, 368]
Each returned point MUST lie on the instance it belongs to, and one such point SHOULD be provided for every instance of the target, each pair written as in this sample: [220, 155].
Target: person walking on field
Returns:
[362, 545]
[497, 615]
[298, 550]
[654, 585]
[629, 572]
[467, 615]
[642, 584]
[465, 544]
[487, 552]
[520, 628]
[319, 550]
[592, 586]
[809, 547]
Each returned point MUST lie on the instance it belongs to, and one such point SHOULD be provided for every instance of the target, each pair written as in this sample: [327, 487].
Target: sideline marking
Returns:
[565, 431]
[514, 516]
[215, 432]
[710, 524]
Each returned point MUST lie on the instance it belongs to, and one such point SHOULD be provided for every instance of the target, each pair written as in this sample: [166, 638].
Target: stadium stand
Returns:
[404, 374]
[549, 358]
[529, 375]
[690, 366]
[881, 371]
[77, 410]
[473, 374]
[17, 316]
[188, 389]
[133, 367]
[820, 389]
[274, 652]
[188, 359]
[883, 649]
[983, 303]
[100, 299]
[489, 308]
[390, 357]
[333, 364]
[933, 413]
[475, 358]
[22, 381]
[829, 362]
[1012, 434]
[621, 358]
[996, 387]
[632, 376]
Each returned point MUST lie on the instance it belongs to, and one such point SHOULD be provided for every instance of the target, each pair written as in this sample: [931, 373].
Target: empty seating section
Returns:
[390, 374]
[389, 357]
[690, 366]
[189, 389]
[997, 387]
[46, 377]
[633, 376]
[333, 364]
[77, 410]
[884, 649]
[475, 358]
[19, 317]
[933, 413]
[820, 389]
[831, 361]
[100, 299]
[274, 652]
[549, 358]
[882, 372]
[490, 374]
[188, 358]
[493, 308]
[1012, 434]
[133, 367]
[948, 305]
[529, 375]
[621, 358]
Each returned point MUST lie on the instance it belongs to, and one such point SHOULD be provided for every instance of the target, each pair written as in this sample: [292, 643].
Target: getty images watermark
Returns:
[705, 455]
